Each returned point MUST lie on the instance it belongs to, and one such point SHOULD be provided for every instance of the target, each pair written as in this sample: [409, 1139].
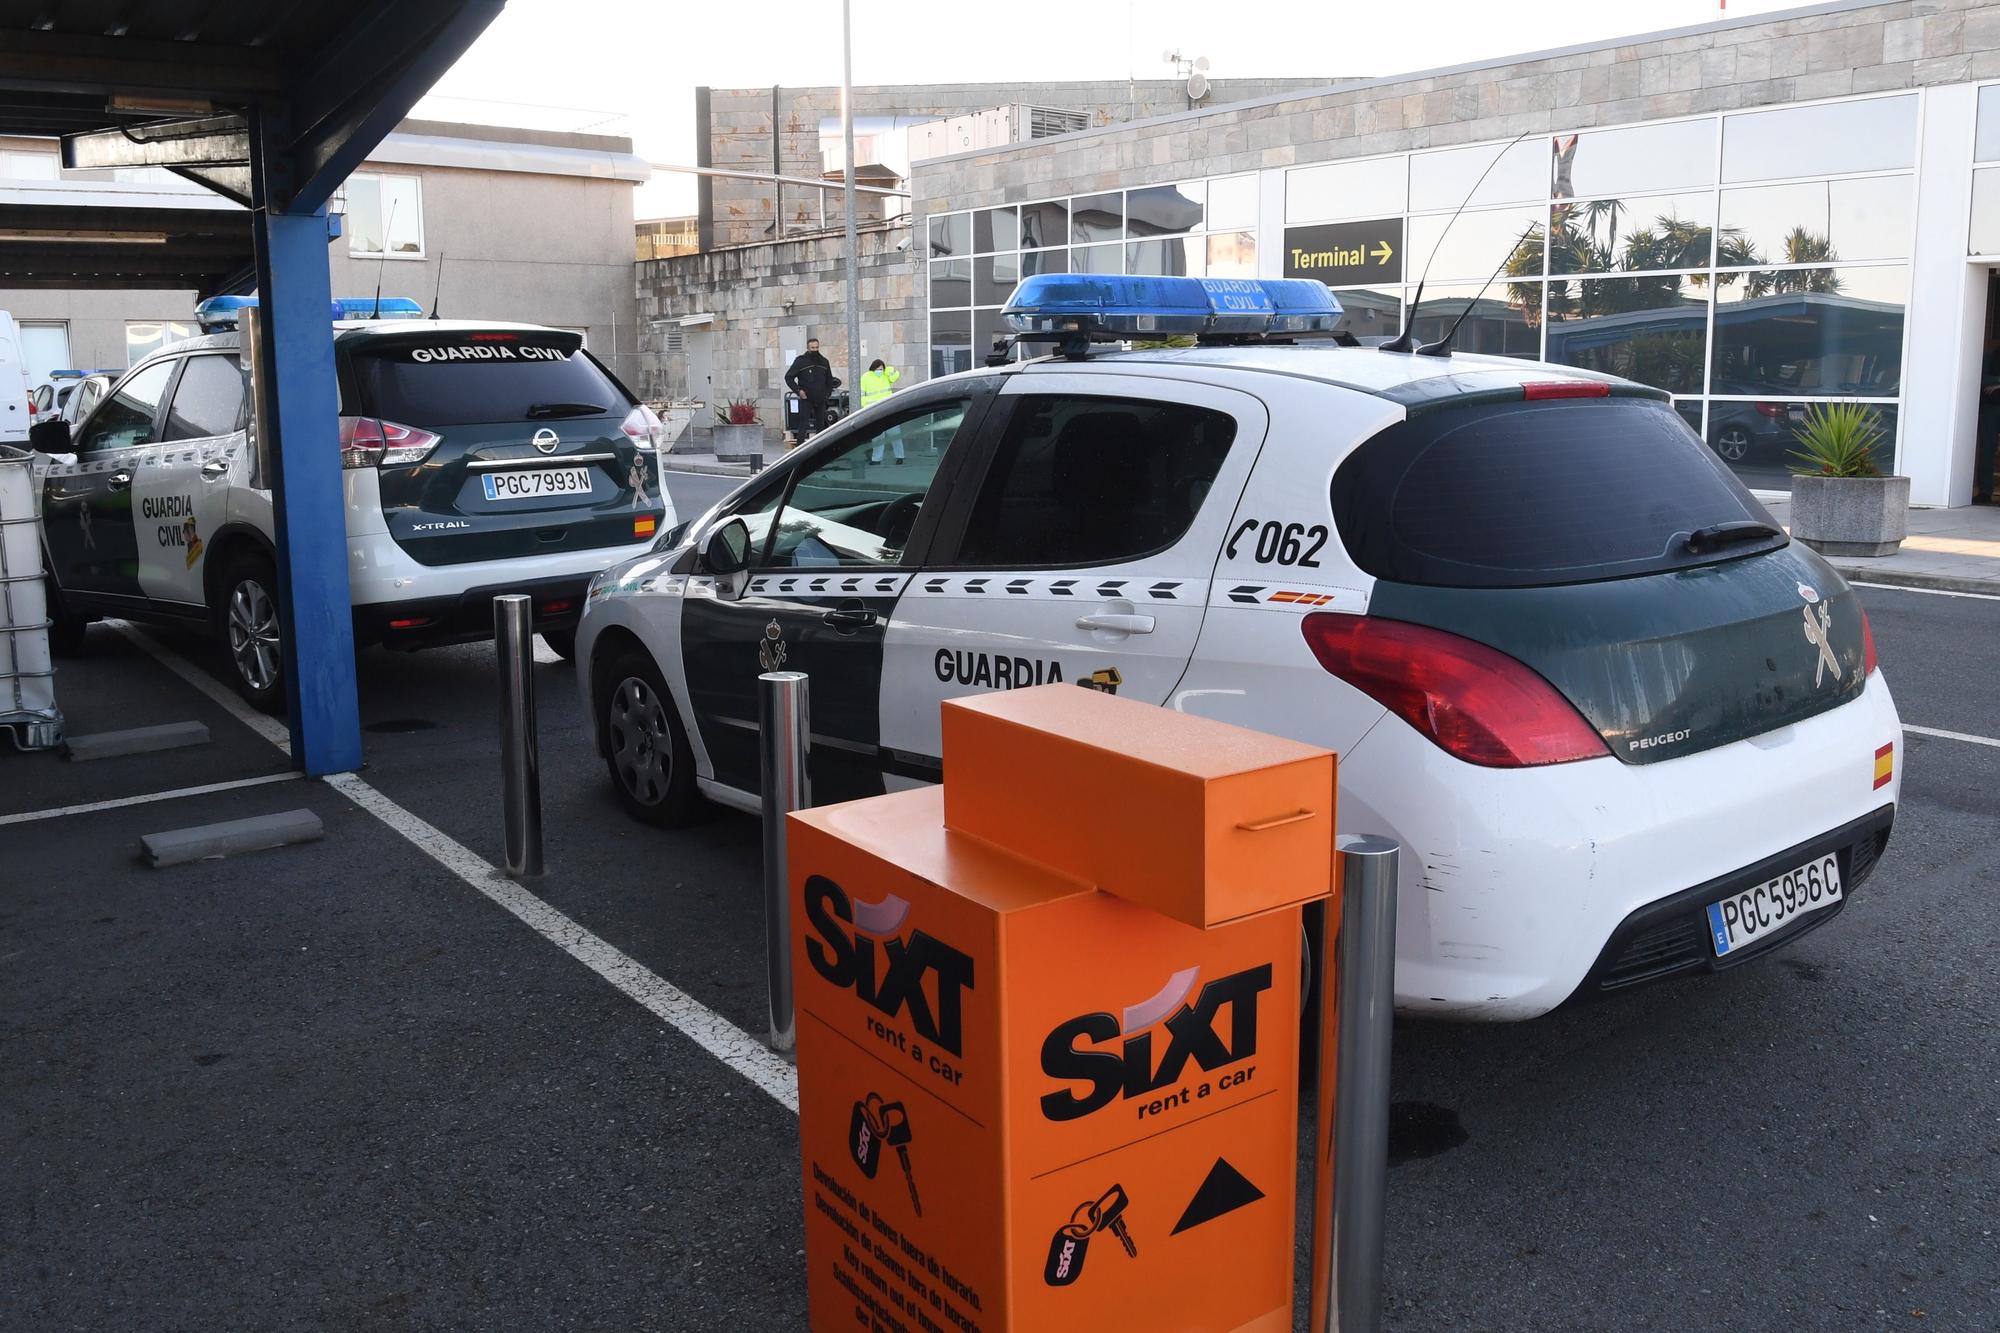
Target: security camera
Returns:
[903, 244]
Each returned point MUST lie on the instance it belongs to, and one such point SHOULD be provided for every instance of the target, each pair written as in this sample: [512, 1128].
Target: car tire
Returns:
[1733, 444]
[646, 749]
[66, 631]
[561, 642]
[247, 631]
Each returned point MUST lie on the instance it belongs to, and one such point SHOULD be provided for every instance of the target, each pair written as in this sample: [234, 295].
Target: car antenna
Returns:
[383, 262]
[1402, 341]
[1442, 347]
[438, 287]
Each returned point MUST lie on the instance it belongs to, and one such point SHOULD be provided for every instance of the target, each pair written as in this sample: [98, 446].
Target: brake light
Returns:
[1867, 646]
[644, 428]
[31, 409]
[1475, 703]
[1541, 390]
[556, 608]
[373, 442]
[1771, 409]
[496, 337]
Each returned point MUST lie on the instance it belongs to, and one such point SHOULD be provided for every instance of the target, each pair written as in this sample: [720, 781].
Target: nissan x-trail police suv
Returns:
[478, 458]
[1622, 727]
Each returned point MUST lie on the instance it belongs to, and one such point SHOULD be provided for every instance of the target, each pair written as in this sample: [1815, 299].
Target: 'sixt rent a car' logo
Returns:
[859, 946]
[1076, 1051]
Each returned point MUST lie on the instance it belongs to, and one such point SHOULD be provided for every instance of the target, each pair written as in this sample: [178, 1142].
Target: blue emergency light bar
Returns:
[1103, 307]
[219, 313]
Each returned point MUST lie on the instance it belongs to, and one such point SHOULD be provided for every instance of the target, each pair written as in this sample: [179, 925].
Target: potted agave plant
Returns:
[739, 432]
[1841, 502]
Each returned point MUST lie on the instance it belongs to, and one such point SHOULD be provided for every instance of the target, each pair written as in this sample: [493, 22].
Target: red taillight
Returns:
[417, 623]
[1474, 702]
[1771, 409]
[372, 442]
[642, 426]
[1867, 646]
[31, 408]
[1540, 390]
[556, 608]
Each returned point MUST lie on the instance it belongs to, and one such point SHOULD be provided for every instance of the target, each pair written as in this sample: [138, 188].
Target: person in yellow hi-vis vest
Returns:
[877, 383]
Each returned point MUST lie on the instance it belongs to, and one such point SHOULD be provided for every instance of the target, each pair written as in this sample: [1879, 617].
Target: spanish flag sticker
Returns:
[1885, 765]
[643, 527]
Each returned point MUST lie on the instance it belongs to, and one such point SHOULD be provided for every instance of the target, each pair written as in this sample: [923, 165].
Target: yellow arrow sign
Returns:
[1382, 252]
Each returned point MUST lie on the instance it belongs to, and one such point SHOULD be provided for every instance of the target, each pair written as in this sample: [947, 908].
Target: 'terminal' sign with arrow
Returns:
[1346, 254]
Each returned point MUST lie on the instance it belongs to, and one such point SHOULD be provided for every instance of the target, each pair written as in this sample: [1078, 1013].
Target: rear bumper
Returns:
[1670, 938]
[467, 616]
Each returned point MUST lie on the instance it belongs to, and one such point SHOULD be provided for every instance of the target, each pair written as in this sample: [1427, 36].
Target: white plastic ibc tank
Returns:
[27, 676]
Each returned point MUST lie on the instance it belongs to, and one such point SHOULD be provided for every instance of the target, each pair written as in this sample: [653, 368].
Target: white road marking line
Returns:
[545, 655]
[1967, 737]
[1928, 592]
[690, 1017]
[680, 1011]
[270, 728]
[56, 812]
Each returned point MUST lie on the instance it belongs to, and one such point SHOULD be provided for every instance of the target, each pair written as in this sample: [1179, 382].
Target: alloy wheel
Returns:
[641, 747]
[253, 635]
[1733, 444]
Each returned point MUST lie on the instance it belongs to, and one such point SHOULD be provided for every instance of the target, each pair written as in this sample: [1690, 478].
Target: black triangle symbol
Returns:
[1224, 1191]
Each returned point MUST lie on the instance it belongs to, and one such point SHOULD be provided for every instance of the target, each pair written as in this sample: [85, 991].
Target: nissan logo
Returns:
[546, 441]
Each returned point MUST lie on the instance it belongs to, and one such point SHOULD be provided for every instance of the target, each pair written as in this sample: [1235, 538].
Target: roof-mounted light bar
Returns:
[1087, 307]
[220, 313]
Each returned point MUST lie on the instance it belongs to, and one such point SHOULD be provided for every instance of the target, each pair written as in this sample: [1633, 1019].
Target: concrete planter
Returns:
[739, 444]
[1850, 515]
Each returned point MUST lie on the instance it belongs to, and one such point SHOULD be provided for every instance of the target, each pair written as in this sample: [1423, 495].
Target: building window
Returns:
[385, 215]
[143, 337]
[29, 166]
[1875, 134]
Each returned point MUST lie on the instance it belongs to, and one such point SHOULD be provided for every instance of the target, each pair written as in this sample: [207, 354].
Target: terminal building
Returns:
[1756, 215]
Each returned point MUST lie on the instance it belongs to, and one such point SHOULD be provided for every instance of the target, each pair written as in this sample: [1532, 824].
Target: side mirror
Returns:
[728, 549]
[50, 437]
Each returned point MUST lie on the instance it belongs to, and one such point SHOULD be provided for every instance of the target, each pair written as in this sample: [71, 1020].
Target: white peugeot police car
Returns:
[478, 459]
[1621, 725]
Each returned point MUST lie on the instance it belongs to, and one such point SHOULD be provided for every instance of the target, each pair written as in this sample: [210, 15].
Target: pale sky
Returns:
[630, 67]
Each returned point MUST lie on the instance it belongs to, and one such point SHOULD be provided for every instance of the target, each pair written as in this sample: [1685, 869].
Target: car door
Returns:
[87, 506]
[181, 488]
[1083, 554]
[833, 547]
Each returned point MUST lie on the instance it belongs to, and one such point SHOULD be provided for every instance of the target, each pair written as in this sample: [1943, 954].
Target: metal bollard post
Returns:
[520, 761]
[1351, 1150]
[784, 739]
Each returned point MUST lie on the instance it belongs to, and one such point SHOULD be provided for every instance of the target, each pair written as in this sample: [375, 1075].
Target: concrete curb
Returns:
[1858, 572]
[179, 846]
[705, 466]
[137, 740]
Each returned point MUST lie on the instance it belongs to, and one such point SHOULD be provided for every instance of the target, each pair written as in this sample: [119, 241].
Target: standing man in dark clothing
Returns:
[811, 378]
[1983, 445]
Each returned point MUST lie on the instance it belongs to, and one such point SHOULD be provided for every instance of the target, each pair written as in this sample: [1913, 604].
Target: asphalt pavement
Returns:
[330, 1087]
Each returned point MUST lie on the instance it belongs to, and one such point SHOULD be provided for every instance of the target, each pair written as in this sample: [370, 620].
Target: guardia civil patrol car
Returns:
[1622, 726]
[478, 459]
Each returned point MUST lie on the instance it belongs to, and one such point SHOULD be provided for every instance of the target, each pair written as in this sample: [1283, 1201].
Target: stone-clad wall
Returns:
[746, 289]
[1827, 51]
[739, 132]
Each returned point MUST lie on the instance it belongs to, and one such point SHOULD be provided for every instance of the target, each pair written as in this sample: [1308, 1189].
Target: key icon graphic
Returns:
[1108, 1212]
[1072, 1239]
[896, 1133]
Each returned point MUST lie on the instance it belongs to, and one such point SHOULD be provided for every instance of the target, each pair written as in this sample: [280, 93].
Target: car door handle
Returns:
[1119, 624]
[849, 617]
[214, 468]
[118, 481]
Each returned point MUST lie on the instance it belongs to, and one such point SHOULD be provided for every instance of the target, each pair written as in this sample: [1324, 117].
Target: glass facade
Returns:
[1751, 263]
[1202, 228]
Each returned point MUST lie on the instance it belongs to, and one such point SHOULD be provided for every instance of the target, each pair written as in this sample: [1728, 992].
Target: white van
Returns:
[16, 410]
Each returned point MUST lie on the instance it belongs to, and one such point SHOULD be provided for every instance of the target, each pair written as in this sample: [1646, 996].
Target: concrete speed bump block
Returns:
[179, 846]
[139, 740]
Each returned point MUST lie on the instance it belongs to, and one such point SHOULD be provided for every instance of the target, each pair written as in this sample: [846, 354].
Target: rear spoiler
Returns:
[1485, 386]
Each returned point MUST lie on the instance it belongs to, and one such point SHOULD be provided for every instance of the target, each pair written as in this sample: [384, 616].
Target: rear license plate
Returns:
[531, 483]
[1756, 913]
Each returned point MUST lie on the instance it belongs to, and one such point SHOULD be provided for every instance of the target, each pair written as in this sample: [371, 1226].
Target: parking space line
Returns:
[1928, 592]
[56, 812]
[1965, 736]
[690, 1017]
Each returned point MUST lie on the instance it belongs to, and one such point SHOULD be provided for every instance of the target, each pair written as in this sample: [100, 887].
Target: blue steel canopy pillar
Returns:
[300, 417]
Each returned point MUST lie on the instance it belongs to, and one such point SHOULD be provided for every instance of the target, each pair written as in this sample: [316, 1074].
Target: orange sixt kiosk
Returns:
[1048, 1024]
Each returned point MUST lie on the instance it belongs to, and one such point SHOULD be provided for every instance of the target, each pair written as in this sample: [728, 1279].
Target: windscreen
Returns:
[482, 378]
[1530, 494]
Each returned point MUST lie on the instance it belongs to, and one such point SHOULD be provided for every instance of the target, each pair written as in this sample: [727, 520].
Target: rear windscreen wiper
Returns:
[539, 410]
[1718, 535]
